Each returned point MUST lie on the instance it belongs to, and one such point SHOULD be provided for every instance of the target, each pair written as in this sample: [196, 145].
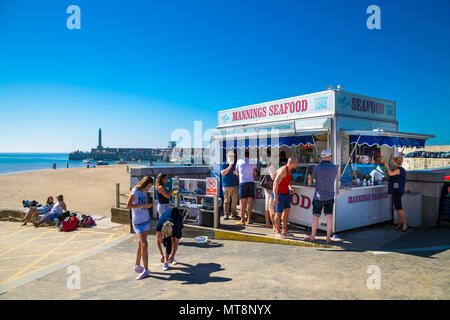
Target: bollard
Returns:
[216, 213]
[117, 195]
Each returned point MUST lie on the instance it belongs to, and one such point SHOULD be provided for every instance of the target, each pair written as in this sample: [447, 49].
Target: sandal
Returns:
[403, 230]
[308, 238]
[399, 226]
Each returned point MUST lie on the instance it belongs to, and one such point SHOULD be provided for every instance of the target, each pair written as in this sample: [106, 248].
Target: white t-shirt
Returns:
[245, 169]
[139, 215]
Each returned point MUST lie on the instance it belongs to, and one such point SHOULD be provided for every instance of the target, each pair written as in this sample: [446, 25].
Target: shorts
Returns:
[397, 199]
[327, 206]
[163, 207]
[141, 227]
[284, 202]
[268, 200]
[167, 243]
[43, 209]
[246, 190]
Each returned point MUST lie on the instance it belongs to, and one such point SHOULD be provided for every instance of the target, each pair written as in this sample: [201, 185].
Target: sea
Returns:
[22, 162]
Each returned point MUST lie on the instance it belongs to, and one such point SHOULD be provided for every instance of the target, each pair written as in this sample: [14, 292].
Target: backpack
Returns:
[69, 224]
[87, 221]
[64, 215]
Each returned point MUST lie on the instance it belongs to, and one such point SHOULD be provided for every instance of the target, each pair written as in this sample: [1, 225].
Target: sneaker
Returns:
[139, 269]
[143, 275]
[174, 261]
[166, 266]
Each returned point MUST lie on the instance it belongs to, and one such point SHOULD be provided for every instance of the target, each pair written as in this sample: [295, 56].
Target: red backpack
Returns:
[69, 224]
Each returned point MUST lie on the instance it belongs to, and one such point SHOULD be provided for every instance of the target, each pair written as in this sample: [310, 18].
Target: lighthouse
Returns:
[99, 147]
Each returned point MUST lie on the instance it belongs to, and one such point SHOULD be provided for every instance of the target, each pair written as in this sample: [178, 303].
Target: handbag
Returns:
[267, 182]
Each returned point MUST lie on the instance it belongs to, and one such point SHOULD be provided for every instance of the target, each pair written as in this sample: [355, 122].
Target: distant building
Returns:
[169, 154]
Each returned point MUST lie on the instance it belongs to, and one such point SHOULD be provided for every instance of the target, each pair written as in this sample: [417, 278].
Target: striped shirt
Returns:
[325, 175]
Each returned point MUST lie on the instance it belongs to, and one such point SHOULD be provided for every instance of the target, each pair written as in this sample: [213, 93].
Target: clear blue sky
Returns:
[140, 69]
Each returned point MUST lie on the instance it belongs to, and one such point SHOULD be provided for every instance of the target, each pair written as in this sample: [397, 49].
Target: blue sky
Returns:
[141, 69]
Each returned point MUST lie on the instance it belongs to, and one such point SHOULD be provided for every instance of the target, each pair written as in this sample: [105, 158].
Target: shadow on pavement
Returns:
[198, 274]
[201, 245]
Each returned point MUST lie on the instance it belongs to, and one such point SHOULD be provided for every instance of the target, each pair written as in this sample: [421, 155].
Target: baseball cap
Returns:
[325, 153]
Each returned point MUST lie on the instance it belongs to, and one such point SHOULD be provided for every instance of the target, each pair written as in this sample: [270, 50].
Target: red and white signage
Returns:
[211, 186]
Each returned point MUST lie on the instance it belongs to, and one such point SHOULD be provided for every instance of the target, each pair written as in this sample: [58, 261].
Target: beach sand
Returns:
[90, 191]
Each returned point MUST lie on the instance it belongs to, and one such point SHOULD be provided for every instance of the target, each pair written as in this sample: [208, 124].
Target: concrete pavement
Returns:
[246, 270]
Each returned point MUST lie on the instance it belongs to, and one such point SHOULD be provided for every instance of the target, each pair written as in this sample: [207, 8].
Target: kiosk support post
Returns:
[216, 212]
[117, 195]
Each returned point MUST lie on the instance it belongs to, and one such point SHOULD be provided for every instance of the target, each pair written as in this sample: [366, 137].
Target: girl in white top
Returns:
[138, 203]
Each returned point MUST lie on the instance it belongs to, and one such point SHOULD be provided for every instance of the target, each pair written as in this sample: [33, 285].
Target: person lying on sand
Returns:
[38, 210]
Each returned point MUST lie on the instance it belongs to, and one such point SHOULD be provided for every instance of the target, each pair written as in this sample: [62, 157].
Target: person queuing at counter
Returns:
[267, 179]
[282, 191]
[246, 171]
[162, 195]
[396, 187]
[230, 186]
[324, 175]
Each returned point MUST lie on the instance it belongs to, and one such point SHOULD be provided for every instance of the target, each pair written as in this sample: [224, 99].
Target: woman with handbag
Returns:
[267, 179]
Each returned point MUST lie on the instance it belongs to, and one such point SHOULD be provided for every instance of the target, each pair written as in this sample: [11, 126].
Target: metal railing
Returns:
[118, 195]
[177, 199]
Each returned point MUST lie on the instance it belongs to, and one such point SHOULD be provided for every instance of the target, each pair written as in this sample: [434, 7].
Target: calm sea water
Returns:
[22, 162]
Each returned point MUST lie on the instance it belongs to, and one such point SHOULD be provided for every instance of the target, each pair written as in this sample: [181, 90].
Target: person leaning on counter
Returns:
[396, 187]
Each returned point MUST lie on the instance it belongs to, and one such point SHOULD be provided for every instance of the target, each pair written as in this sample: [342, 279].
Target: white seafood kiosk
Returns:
[354, 127]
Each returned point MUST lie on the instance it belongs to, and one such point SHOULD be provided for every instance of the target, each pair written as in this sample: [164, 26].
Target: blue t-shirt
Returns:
[230, 179]
[173, 216]
[325, 175]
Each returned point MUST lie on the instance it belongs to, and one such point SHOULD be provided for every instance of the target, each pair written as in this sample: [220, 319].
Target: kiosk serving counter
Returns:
[359, 131]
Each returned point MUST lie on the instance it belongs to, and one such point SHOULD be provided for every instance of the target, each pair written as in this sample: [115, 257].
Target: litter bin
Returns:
[206, 218]
[412, 204]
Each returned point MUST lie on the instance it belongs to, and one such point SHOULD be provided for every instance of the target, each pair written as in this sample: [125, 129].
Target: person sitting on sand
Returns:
[38, 210]
[57, 209]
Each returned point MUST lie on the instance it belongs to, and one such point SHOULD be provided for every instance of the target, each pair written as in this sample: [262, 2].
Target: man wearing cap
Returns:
[324, 175]
[168, 233]
[230, 183]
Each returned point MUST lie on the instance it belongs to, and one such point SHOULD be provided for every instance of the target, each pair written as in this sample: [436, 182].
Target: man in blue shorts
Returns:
[168, 233]
[324, 175]
[282, 191]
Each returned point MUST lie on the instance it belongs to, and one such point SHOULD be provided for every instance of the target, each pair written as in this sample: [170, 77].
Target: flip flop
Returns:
[308, 238]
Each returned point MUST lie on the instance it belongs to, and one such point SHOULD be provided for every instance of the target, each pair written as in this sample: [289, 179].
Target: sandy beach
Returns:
[85, 190]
